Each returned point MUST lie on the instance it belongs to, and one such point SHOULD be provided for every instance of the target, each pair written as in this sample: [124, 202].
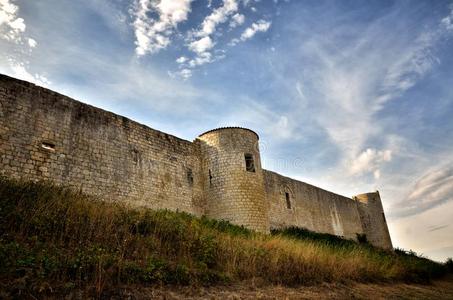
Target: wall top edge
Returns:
[228, 128]
[25, 84]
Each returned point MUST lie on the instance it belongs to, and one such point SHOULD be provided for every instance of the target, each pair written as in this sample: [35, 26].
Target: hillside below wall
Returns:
[311, 207]
[94, 150]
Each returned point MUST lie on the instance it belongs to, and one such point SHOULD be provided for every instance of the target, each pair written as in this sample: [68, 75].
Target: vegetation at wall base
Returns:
[53, 240]
[449, 264]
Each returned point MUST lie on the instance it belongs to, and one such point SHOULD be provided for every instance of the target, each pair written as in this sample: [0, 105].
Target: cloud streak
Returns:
[353, 82]
[436, 228]
[218, 16]
[432, 189]
[259, 26]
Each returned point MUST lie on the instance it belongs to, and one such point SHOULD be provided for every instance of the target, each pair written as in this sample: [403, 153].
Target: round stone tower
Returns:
[233, 178]
[373, 219]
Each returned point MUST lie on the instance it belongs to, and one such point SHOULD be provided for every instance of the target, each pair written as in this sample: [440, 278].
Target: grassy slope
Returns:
[53, 240]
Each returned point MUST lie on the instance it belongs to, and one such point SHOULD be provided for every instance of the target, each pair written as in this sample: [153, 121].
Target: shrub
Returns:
[449, 264]
[361, 238]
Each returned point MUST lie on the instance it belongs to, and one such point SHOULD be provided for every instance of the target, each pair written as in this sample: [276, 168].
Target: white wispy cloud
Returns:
[251, 113]
[200, 40]
[218, 16]
[246, 2]
[354, 81]
[202, 45]
[403, 74]
[370, 161]
[181, 59]
[32, 43]
[431, 189]
[185, 73]
[20, 70]
[13, 31]
[447, 22]
[151, 34]
[201, 59]
[259, 26]
[236, 20]
[11, 26]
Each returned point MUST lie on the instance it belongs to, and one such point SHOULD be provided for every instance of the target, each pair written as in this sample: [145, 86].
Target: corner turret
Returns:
[233, 177]
[373, 219]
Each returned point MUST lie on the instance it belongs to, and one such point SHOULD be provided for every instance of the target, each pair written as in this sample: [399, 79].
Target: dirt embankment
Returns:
[440, 289]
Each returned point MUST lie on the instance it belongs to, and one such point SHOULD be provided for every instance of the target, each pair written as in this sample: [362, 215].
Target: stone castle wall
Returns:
[94, 150]
[47, 136]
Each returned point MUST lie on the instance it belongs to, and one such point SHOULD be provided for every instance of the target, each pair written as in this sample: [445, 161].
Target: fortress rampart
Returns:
[48, 136]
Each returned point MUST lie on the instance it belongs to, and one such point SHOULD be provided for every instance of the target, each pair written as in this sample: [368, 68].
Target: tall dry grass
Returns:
[51, 238]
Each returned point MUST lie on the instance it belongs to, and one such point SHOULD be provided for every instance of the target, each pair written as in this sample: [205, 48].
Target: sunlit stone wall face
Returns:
[310, 207]
[323, 211]
[48, 136]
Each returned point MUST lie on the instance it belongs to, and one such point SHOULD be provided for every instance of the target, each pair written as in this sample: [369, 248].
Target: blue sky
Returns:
[352, 96]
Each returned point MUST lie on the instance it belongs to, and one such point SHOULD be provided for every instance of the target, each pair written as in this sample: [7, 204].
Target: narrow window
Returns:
[249, 163]
[288, 201]
[48, 146]
[383, 216]
[190, 177]
[135, 155]
[210, 178]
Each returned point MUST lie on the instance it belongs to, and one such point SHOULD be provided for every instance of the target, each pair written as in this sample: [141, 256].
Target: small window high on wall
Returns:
[249, 162]
[288, 200]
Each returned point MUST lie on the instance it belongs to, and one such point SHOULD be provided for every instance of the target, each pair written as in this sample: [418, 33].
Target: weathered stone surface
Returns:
[48, 136]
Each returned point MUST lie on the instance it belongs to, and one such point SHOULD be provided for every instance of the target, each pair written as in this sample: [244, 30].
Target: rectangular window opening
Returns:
[249, 163]
[48, 146]
[210, 177]
[190, 177]
[288, 201]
